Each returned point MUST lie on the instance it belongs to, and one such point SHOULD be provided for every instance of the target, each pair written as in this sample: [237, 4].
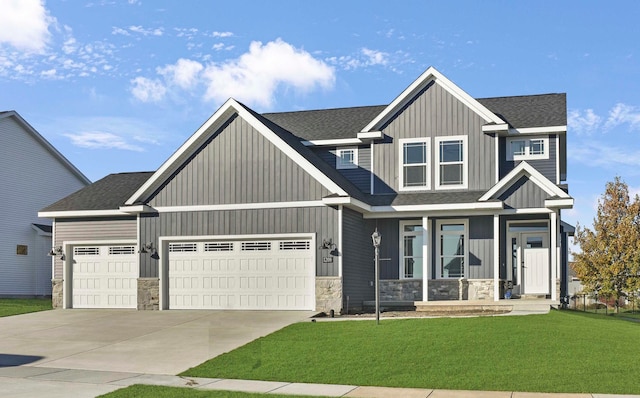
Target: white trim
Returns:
[371, 173]
[401, 165]
[530, 210]
[402, 234]
[538, 130]
[340, 240]
[53, 258]
[489, 128]
[241, 206]
[431, 74]
[163, 247]
[228, 109]
[438, 232]
[534, 175]
[370, 135]
[527, 148]
[136, 209]
[332, 142]
[497, 157]
[441, 207]
[559, 203]
[465, 161]
[557, 159]
[81, 213]
[553, 252]
[346, 166]
[496, 257]
[418, 214]
[426, 264]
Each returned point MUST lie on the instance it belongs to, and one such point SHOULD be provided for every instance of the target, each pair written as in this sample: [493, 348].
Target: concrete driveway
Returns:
[151, 342]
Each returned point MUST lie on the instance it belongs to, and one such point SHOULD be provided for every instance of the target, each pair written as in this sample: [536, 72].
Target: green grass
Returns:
[142, 391]
[10, 307]
[562, 351]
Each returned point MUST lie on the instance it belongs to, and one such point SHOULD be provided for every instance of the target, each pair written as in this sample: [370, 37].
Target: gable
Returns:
[524, 193]
[238, 164]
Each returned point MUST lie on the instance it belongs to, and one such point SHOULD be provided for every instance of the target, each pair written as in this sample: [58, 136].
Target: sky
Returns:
[118, 86]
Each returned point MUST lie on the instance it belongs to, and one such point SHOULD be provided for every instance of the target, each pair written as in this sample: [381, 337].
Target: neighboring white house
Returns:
[33, 174]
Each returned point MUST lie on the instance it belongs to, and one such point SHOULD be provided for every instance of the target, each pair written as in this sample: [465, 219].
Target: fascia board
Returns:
[491, 128]
[347, 201]
[230, 107]
[370, 135]
[524, 169]
[537, 130]
[559, 203]
[137, 209]
[432, 74]
[81, 213]
[439, 207]
[334, 142]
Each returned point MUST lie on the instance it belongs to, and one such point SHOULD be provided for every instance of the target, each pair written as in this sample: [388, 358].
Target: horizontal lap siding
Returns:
[321, 221]
[238, 165]
[92, 230]
[358, 255]
[434, 113]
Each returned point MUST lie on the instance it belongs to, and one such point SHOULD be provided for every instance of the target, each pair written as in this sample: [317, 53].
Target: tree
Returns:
[609, 263]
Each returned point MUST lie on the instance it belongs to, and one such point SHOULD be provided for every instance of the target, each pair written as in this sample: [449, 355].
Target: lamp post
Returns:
[376, 238]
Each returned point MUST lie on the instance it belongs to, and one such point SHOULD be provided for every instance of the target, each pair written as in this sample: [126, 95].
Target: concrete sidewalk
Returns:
[29, 381]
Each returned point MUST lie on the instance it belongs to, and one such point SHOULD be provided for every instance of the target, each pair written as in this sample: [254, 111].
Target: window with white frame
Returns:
[452, 248]
[414, 164]
[527, 148]
[451, 170]
[346, 158]
[411, 261]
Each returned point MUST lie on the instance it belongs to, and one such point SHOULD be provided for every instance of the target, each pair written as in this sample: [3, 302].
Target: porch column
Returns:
[496, 257]
[426, 264]
[554, 253]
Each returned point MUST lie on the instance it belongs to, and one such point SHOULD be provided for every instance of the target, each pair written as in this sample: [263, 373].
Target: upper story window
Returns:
[451, 171]
[346, 158]
[414, 164]
[527, 148]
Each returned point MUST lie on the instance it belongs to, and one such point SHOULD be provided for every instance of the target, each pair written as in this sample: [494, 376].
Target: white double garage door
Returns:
[260, 274]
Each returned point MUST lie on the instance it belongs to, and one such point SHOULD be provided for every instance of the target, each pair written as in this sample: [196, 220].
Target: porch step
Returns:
[467, 307]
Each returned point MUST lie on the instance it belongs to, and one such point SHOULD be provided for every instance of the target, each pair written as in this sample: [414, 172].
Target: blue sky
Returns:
[119, 85]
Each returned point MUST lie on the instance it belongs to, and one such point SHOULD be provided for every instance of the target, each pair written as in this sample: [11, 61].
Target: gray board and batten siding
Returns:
[435, 112]
[217, 174]
[92, 231]
[358, 259]
[547, 167]
[524, 193]
[321, 221]
[359, 176]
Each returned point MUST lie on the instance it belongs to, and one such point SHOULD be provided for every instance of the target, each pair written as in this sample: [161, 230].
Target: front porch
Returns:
[466, 307]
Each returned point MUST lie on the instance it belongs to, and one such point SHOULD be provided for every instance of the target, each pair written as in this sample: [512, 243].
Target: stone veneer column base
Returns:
[149, 294]
[329, 294]
[481, 289]
[56, 293]
[401, 290]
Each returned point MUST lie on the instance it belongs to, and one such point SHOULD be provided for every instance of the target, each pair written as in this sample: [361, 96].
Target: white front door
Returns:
[535, 262]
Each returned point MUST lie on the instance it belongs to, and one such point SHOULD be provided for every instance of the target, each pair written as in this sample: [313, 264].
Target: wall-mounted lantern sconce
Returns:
[327, 244]
[57, 251]
[149, 248]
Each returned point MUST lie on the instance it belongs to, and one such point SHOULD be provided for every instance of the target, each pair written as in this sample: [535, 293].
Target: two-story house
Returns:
[276, 211]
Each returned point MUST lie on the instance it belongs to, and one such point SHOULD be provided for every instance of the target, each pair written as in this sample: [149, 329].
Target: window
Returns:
[527, 148]
[182, 247]
[86, 251]
[452, 166]
[346, 158]
[411, 233]
[218, 246]
[295, 245]
[255, 246]
[452, 248]
[121, 250]
[414, 173]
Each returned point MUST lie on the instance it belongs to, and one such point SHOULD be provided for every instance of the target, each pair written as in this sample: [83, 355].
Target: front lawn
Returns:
[142, 391]
[11, 306]
[561, 351]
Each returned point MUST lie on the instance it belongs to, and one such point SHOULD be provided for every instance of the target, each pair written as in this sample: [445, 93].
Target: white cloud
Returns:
[183, 73]
[375, 57]
[594, 153]
[222, 34]
[622, 114]
[119, 31]
[256, 75]
[583, 121]
[101, 140]
[364, 58]
[147, 90]
[146, 32]
[24, 24]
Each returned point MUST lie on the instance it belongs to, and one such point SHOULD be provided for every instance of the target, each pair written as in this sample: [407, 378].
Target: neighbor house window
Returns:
[346, 158]
[414, 164]
[452, 248]
[411, 233]
[451, 171]
[527, 148]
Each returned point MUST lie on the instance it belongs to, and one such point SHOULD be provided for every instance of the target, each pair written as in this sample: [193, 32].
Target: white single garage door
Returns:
[104, 277]
[250, 275]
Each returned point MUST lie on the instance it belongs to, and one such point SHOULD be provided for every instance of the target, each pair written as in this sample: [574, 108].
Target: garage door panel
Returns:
[243, 275]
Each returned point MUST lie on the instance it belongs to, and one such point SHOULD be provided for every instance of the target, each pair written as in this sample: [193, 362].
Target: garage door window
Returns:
[218, 247]
[121, 250]
[294, 245]
[182, 247]
[86, 251]
[255, 246]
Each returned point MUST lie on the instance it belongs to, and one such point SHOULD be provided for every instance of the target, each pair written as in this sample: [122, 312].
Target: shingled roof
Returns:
[108, 193]
[530, 110]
